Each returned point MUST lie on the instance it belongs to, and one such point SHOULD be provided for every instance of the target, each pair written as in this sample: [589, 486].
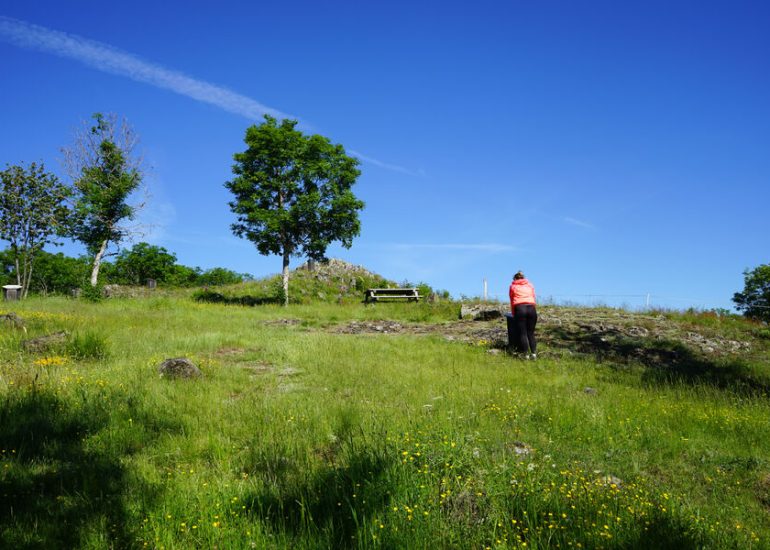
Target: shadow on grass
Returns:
[55, 491]
[330, 505]
[665, 361]
[217, 298]
[664, 533]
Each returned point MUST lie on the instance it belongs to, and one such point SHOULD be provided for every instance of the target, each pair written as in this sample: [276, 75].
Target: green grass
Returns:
[298, 437]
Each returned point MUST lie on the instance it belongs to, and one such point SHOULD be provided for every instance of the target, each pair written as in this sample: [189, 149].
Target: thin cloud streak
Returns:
[385, 165]
[111, 60]
[493, 248]
[579, 223]
[108, 59]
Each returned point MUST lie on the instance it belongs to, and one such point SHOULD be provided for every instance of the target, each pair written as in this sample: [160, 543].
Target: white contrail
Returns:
[579, 223]
[111, 60]
[385, 165]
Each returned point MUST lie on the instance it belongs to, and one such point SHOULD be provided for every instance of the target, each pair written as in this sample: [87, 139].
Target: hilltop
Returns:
[703, 346]
[332, 281]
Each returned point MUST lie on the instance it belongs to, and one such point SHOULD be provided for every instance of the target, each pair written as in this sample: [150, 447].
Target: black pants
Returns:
[525, 317]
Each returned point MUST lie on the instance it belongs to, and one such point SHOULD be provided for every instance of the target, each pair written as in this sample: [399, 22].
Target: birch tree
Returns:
[105, 171]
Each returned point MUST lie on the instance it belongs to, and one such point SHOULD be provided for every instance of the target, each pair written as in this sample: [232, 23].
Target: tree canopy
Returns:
[142, 262]
[292, 193]
[105, 172]
[754, 301]
[33, 213]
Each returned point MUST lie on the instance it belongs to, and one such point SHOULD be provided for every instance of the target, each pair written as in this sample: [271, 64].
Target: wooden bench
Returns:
[387, 294]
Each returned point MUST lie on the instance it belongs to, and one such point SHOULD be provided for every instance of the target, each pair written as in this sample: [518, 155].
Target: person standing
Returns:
[523, 307]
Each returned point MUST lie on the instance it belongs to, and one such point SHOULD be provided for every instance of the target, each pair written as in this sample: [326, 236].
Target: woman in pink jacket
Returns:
[522, 295]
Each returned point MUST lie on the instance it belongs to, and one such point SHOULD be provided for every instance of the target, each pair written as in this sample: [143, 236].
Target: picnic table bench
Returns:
[378, 294]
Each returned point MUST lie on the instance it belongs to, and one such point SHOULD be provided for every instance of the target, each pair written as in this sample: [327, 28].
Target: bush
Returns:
[219, 276]
[88, 345]
[91, 293]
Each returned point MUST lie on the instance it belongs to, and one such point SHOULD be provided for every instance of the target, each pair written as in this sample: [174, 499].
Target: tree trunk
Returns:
[98, 263]
[18, 272]
[285, 274]
[27, 279]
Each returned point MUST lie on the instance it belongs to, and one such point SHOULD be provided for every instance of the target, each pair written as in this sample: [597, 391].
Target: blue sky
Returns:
[610, 150]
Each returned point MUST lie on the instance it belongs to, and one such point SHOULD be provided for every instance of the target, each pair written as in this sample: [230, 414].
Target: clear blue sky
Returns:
[611, 149]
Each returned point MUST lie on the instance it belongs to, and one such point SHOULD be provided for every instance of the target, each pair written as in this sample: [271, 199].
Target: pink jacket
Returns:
[521, 292]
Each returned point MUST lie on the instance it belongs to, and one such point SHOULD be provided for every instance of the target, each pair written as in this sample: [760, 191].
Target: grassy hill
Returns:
[341, 425]
[334, 281]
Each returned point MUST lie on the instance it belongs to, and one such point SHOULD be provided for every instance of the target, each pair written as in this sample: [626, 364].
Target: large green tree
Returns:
[142, 262]
[33, 213]
[754, 301]
[293, 193]
[105, 171]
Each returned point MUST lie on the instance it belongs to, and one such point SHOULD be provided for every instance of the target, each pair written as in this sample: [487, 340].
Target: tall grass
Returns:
[297, 437]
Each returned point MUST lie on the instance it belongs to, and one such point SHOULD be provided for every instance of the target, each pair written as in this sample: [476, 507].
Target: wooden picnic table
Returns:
[394, 294]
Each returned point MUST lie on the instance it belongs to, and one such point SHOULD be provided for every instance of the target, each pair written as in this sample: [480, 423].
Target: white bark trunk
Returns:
[97, 264]
[285, 274]
[27, 280]
[18, 271]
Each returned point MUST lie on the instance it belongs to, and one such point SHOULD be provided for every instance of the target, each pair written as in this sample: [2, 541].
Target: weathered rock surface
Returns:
[12, 319]
[563, 331]
[179, 367]
[44, 343]
[482, 312]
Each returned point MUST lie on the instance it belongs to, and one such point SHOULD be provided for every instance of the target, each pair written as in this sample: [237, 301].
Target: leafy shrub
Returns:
[91, 293]
[210, 296]
[219, 276]
[88, 345]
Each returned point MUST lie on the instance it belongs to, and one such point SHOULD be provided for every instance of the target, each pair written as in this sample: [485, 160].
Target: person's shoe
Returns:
[532, 356]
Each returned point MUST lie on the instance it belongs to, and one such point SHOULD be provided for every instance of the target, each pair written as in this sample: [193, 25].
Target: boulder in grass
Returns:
[179, 367]
[13, 320]
[45, 343]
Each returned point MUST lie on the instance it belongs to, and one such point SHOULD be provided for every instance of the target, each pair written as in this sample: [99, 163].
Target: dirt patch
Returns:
[375, 327]
[487, 332]
[258, 368]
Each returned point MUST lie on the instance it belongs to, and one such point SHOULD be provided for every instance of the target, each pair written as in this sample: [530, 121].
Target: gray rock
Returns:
[43, 343]
[481, 312]
[590, 391]
[13, 319]
[639, 332]
[179, 367]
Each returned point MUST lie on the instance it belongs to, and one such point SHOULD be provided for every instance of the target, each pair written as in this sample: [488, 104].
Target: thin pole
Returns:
[485, 290]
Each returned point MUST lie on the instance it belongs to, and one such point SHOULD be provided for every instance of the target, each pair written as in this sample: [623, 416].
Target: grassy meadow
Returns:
[299, 436]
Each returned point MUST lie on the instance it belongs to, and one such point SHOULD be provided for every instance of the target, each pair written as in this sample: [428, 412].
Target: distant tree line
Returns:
[61, 274]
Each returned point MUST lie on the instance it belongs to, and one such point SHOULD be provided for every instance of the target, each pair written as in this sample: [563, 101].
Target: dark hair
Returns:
[518, 276]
